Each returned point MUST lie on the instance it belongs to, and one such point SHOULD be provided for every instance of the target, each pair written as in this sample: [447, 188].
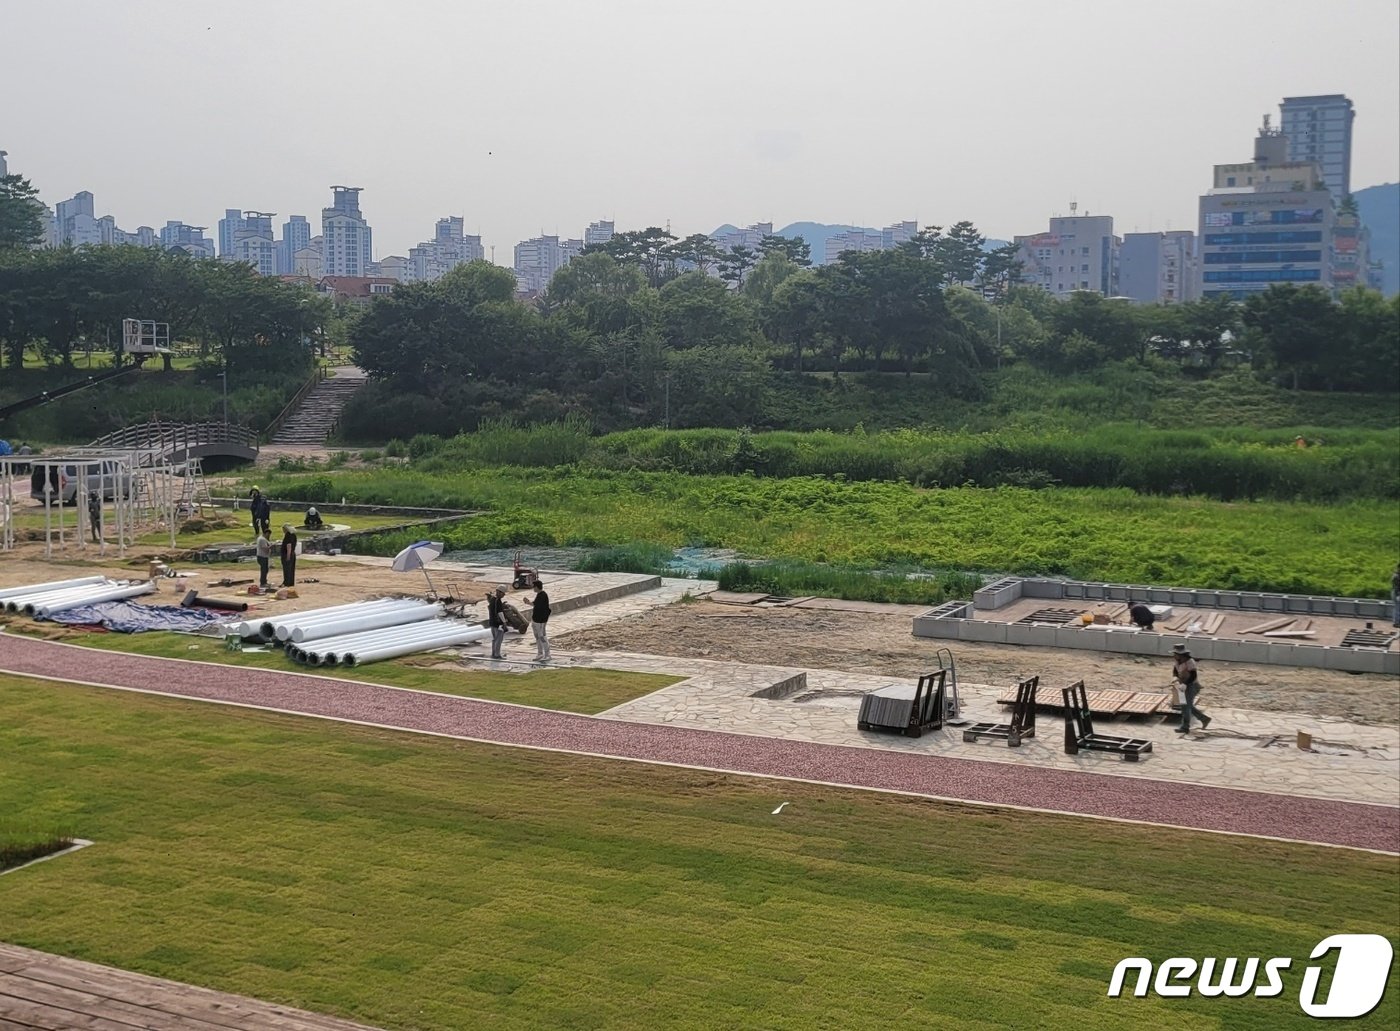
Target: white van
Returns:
[62, 480]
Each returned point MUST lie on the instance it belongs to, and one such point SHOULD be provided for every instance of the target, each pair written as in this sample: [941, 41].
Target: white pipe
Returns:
[114, 594]
[53, 585]
[331, 647]
[268, 627]
[18, 601]
[369, 621]
[340, 641]
[445, 640]
[285, 627]
[29, 603]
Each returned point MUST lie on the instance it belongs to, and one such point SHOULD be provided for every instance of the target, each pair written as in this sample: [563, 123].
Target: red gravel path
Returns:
[1182, 805]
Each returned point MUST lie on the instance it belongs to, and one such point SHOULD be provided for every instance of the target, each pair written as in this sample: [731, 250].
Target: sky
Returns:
[540, 116]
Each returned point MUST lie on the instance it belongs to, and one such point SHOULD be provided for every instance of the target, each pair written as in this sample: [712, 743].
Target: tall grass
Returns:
[1092, 534]
[792, 579]
[1238, 463]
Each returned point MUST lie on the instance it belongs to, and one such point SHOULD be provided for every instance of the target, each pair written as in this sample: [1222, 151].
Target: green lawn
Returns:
[572, 690]
[31, 517]
[416, 882]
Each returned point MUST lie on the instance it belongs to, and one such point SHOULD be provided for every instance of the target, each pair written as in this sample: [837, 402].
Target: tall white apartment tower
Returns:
[597, 232]
[1318, 130]
[347, 246]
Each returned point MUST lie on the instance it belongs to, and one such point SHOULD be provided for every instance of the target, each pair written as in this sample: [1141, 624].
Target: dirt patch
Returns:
[884, 644]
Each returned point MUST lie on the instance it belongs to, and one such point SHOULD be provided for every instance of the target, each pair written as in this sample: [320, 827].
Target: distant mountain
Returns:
[1379, 207]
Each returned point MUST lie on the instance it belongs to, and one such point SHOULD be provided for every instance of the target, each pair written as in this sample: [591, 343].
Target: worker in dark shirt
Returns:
[1141, 615]
[539, 616]
[262, 513]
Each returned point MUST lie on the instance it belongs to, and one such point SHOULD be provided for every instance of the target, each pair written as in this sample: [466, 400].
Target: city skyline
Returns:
[936, 113]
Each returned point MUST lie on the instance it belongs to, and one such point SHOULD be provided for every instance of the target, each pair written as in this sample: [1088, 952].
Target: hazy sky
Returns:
[543, 115]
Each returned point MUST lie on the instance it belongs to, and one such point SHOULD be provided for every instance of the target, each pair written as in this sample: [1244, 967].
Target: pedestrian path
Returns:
[54, 993]
[941, 776]
[1245, 749]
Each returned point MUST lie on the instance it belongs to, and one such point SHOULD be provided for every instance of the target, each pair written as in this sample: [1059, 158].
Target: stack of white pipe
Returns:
[388, 642]
[268, 629]
[43, 600]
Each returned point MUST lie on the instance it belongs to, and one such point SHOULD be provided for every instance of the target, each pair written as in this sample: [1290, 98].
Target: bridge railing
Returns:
[166, 438]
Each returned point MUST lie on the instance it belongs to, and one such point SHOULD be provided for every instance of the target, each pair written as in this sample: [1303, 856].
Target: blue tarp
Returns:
[129, 618]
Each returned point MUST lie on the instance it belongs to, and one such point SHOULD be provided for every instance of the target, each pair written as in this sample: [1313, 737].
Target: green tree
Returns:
[698, 311]
[767, 276]
[793, 248]
[1295, 327]
[960, 253]
[794, 317]
[735, 264]
[697, 250]
[21, 214]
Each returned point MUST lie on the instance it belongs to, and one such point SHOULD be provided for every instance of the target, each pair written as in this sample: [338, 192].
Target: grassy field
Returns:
[414, 882]
[586, 691]
[238, 531]
[1092, 534]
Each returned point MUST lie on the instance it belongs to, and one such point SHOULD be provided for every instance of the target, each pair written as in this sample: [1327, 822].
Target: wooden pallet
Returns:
[1108, 703]
[1059, 617]
[1142, 703]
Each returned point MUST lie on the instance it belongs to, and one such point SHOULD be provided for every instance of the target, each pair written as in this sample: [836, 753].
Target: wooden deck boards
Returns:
[54, 993]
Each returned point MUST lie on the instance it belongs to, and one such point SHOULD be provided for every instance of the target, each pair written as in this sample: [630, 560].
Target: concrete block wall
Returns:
[957, 621]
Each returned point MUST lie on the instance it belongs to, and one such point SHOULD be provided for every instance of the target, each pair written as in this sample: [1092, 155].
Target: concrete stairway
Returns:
[313, 419]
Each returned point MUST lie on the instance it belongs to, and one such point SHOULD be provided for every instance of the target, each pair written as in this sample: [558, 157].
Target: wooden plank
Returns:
[1291, 633]
[1107, 703]
[53, 1018]
[1214, 621]
[1144, 703]
[150, 1017]
[1272, 624]
[178, 998]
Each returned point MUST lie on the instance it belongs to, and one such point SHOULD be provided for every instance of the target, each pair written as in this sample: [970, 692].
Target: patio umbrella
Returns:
[417, 556]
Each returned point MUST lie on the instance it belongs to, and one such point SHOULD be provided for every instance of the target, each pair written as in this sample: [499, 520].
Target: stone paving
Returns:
[1242, 749]
[1350, 762]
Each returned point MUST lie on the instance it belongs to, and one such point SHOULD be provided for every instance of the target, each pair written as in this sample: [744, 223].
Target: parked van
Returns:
[62, 480]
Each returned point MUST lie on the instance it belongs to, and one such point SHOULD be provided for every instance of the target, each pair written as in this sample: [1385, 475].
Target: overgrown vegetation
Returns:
[1346, 548]
[1226, 464]
[407, 881]
[794, 579]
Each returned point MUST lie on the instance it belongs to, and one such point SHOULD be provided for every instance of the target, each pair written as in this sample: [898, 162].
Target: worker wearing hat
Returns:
[1185, 673]
[496, 619]
[262, 512]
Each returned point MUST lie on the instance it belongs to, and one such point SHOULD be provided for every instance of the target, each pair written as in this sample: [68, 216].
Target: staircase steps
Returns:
[312, 421]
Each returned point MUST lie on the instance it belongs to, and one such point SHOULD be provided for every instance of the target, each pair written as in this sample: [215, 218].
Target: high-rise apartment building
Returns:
[296, 234]
[536, 261]
[1077, 252]
[4, 167]
[347, 245]
[1318, 130]
[1158, 268]
[190, 239]
[74, 223]
[597, 232]
[750, 237]
[1264, 222]
[448, 248]
[230, 224]
[254, 245]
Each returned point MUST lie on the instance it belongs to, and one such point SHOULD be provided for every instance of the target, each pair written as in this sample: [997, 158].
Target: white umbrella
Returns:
[417, 556]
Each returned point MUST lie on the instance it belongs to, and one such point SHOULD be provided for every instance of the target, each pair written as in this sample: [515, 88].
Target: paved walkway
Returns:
[53, 993]
[938, 776]
[1243, 748]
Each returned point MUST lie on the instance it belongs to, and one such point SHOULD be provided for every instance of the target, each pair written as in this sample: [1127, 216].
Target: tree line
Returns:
[647, 329]
[58, 302]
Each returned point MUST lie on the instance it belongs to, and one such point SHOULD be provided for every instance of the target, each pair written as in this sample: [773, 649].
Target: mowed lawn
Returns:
[588, 691]
[416, 882]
